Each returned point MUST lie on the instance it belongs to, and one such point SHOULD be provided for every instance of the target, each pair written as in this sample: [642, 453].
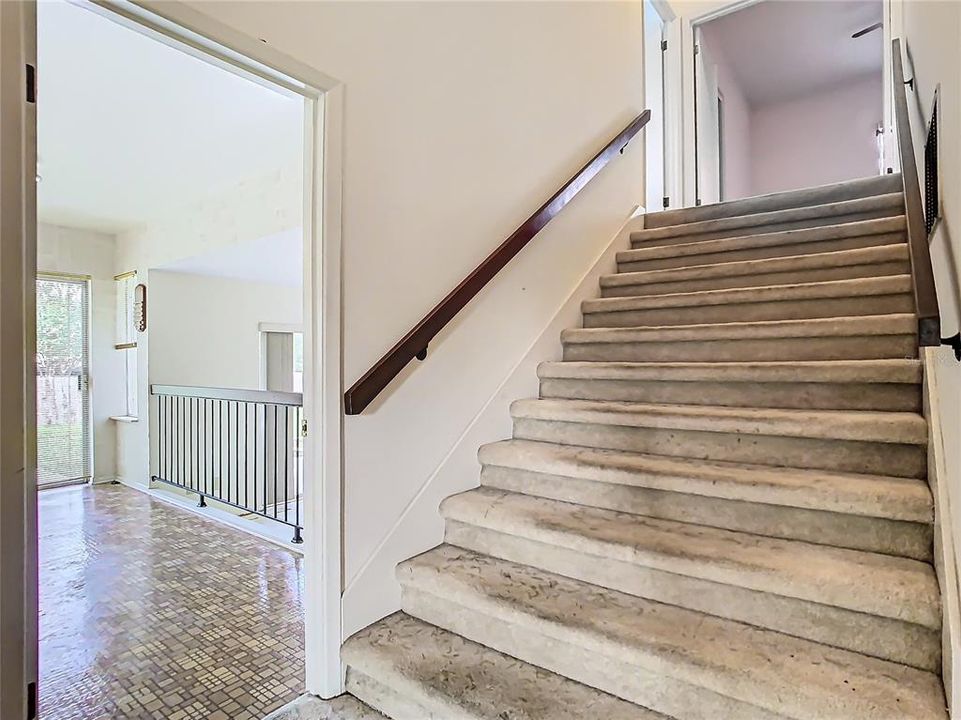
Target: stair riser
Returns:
[763, 253]
[841, 455]
[638, 240]
[835, 193]
[764, 349]
[393, 704]
[889, 537]
[819, 396]
[868, 634]
[821, 274]
[751, 311]
[657, 691]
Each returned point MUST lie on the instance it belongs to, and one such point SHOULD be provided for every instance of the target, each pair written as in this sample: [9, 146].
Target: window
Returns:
[126, 337]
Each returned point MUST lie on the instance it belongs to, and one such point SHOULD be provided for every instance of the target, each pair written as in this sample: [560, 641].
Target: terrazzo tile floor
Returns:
[149, 611]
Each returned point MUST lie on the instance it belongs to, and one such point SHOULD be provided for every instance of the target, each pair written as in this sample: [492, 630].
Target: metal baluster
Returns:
[265, 459]
[286, 457]
[202, 458]
[253, 445]
[220, 447]
[276, 445]
[297, 457]
[181, 442]
[195, 423]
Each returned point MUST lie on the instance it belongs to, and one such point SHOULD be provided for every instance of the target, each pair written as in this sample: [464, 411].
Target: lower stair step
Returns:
[682, 663]
[883, 384]
[841, 338]
[879, 605]
[877, 496]
[887, 515]
[877, 443]
[411, 670]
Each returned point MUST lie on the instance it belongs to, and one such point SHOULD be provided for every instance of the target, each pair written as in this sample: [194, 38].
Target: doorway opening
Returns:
[186, 212]
[654, 41]
[787, 95]
[64, 442]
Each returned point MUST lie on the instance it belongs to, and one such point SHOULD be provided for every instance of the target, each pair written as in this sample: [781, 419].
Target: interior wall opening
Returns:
[800, 86]
[172, 224]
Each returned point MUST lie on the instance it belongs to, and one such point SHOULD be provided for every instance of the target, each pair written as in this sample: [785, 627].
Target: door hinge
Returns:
[303, 428]
[663, 45]
[31, 701]
[697, 49]
[666, 201]
[31, 83]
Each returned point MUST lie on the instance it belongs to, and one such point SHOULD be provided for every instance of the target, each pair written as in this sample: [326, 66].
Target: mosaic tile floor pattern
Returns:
[149, 611]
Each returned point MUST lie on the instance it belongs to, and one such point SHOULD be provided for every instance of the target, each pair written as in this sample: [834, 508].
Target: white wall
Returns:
[931, 31]
[460, 119]
[819, 139]
[84, 252]
[253, 208]
[204, 330]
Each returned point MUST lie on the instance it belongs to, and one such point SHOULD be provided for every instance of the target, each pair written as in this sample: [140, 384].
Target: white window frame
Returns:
[125, 341]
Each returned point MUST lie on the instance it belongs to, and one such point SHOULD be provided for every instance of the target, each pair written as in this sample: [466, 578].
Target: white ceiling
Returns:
[781, 49]
[130, 128]
[275, 259]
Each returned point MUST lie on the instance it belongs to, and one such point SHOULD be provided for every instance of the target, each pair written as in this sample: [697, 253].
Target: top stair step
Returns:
[838, 192]
[813, 216]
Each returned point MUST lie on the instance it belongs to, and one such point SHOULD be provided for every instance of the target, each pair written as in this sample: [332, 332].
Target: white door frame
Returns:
[88, 430]
[893, 20]
[18, 438]
[672, 104]
[212, 41]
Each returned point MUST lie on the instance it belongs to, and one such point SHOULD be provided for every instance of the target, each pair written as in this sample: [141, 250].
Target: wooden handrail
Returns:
[925, 295]
[414, 343]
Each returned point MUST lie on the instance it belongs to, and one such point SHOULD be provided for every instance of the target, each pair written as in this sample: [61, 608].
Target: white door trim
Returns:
[193, 32]
[18, 440]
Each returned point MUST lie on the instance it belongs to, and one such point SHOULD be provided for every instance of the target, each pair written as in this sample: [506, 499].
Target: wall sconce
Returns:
[140, 307]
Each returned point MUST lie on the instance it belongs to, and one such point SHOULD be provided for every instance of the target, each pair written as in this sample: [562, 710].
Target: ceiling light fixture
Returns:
[865, 31]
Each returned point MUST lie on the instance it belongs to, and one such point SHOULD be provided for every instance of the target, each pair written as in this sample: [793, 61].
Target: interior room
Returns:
[170, 255]
[789, 95]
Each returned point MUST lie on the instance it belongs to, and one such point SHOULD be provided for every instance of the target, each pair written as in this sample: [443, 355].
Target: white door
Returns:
[706, 123]
[18, 264]
[654, 101]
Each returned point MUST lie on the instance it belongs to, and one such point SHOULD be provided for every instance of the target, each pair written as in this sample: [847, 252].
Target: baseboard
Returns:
[219, 516]
[459, 470]
[945, 556]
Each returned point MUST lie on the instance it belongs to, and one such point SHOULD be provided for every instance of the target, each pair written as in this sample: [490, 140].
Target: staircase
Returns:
[717, 508]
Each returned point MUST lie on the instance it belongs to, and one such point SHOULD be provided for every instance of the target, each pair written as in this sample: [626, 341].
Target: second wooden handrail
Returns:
[925, 294]
[414, 343]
